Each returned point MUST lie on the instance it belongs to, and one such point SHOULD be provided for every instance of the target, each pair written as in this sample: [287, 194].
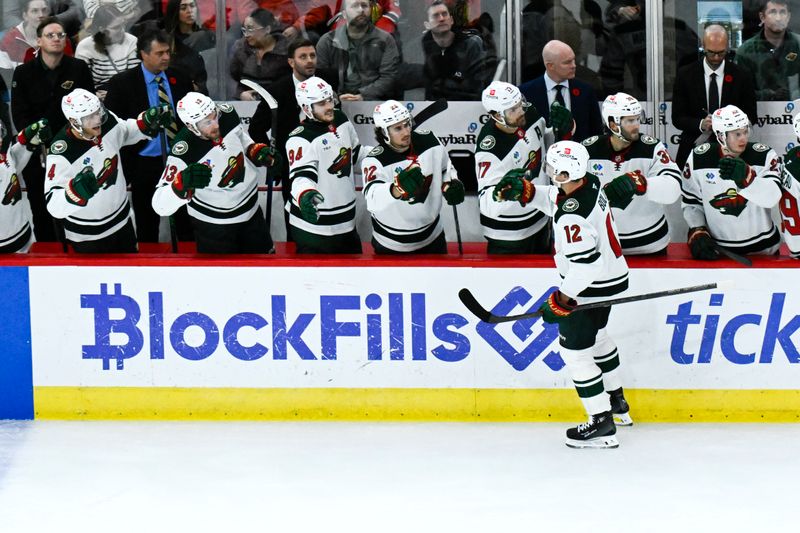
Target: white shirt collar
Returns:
[708, 70]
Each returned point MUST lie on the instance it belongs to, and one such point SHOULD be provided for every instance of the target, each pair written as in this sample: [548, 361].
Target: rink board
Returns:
[382, 343]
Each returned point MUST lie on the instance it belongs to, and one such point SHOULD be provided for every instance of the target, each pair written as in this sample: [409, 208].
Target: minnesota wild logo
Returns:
[13, 193]
[108, 174]
[342, 164]
[234, 173]
[729, 202]
[534, 162]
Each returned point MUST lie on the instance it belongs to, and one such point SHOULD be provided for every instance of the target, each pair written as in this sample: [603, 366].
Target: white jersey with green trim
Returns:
[789, 203]
[642, 224]
[16, 221]
[738, 218]
[588, 254]
[406, 226]
[496, 153]
[321, 157]
[109, 209]
[232, 195]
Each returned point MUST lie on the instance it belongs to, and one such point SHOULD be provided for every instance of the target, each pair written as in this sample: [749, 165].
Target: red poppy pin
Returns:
[576, 91]
[172, 80]
[728, 78]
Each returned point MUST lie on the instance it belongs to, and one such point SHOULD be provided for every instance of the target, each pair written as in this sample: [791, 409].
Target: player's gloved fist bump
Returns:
[82, 187]
[702, 244]
[514, 187]
[308, 201]
[195, 176]
[557, 307]
[35, 134]
[153, 118]
[263, 155]
[620, 191]
[736, 170]
[453, 192]
[408, 181]
[561, 121]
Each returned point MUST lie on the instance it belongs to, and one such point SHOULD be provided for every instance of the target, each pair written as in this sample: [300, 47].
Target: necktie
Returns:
[559, 95]
[713, 94]
[163, 98]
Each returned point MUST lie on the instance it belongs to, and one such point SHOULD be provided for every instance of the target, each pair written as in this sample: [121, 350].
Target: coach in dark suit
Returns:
[130, 93]
[558, 84]
[302, 58]
[695, 97]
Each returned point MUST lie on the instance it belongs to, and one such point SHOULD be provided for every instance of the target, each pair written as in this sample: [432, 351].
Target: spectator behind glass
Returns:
[260, 55]
[20, 41]
[235, 12]
[66, 11]
[366, 57]
[772, 56]
[130, 10]
[110, 50]
[330, 15]
[455, 61]
[180, 21]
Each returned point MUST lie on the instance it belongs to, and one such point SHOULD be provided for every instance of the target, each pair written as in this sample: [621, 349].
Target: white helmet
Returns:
[79, 104]
[389, 113]
[310, 92]
[728, 118]
[619, 105]
[796, 125]
[193, 108]
[569, 157]
[499, 97]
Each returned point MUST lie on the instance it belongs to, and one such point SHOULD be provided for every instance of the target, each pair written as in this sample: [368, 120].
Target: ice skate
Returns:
[598, 432]
[620, 408]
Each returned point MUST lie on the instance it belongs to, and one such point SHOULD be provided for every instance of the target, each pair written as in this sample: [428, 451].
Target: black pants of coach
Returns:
[143, 178]
[251, 237]
[34, 183]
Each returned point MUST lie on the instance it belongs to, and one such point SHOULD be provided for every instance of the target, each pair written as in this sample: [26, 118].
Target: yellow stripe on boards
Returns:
[456, 405]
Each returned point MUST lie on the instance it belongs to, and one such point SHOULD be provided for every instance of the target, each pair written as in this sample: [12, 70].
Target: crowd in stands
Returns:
[136, 54]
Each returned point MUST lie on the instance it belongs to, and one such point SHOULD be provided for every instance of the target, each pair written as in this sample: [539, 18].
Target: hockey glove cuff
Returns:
[308, 202]
[702, 244]
[557, 308]
[195, 176]
[36, 134]
[736, 170]
[82, 187]
[514, 187]
[453, 192]
[263, 155]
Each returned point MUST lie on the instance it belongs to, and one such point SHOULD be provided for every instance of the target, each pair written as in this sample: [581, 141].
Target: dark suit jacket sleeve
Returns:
[124, 96]
[685, 115]
[595, 125]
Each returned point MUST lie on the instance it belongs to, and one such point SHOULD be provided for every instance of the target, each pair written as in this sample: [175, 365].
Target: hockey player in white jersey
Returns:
[85, 184]
[638, 175]
[406, 176]
[589, 260]
[16, 221]
[790, 199]
[729, 189]
[211, 169]
[321, 153]
[511, 144]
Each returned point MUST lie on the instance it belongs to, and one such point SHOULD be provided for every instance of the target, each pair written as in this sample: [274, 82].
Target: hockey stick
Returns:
[431, 111]
[262, 92]
[742, 260]
[479, 311]
[173, 233]
[458, 231]
[58, 225]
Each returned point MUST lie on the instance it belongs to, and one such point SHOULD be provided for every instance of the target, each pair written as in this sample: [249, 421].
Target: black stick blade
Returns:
[474, 307]
[431, 111]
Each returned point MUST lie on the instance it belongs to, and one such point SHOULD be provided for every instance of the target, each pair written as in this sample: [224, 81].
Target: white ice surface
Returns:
[197, 476]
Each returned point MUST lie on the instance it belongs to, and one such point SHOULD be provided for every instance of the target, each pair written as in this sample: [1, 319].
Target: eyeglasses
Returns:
[250, 31]
[55, 35]
[721, 53]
